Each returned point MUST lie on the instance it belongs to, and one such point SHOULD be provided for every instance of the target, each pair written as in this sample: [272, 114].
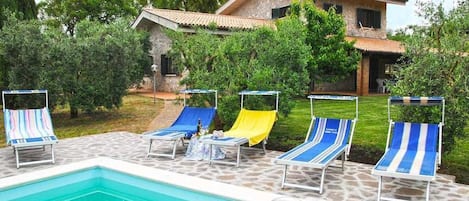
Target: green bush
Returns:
[437, 64]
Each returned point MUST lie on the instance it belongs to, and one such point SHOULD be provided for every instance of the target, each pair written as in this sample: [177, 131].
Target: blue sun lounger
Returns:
[185, 125]
[29, 128]
[415, 149]
[327, 139]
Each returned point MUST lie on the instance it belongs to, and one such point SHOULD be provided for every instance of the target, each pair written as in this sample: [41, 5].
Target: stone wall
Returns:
[349, 11]
[259, 8]
[263, 9]
[160, 45]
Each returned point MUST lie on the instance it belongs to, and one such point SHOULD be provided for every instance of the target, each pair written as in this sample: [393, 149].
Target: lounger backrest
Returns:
[27, 123]
[415, 136]
[191, 116]
[255, 120]
[333, 131]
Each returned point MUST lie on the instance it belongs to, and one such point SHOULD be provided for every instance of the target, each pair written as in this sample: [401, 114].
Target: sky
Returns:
[399, 16]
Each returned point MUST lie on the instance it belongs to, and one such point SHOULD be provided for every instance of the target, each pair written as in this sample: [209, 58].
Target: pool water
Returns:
[102, 184]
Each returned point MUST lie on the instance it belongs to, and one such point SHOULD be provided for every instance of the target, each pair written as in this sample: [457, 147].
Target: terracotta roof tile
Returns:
[231, 5]
[205, 19]
[377, 45]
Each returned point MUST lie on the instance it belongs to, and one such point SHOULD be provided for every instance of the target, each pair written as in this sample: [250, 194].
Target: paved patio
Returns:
[257, 170]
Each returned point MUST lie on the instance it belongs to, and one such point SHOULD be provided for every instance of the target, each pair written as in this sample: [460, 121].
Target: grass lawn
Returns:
[134, 116]
[371, 129]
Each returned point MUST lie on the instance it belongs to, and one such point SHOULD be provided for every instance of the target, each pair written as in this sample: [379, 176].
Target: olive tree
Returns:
[332, 57]
[437, 64]
[91, 70]
[261, 59]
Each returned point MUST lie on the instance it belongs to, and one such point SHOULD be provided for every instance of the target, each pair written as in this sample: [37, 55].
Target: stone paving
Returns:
[257, 170]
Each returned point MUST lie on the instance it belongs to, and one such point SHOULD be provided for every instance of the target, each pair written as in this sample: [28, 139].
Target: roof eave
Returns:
[229, 6]
[398, 2]
[156, 19]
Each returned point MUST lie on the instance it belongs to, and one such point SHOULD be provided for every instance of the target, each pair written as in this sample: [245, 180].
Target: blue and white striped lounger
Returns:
[412, 154]
[326, 142]
[414, 151]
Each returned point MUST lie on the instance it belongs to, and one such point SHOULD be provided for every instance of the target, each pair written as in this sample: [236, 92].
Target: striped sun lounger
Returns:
[413, 152]
[326, 142]
[28, 128]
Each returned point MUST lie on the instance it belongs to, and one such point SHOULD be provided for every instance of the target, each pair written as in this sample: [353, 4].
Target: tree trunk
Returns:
[73, 112]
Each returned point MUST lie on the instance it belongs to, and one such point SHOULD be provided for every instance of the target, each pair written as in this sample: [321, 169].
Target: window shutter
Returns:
[275, 13]
[377, 19]
[164, 65]
[360, 17]
[339, 9]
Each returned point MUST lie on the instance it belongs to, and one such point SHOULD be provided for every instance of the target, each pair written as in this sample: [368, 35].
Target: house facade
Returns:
[365, 21]
[366, 25]
[155, 21]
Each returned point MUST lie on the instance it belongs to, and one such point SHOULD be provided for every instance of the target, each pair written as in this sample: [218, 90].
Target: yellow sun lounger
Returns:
[251, 126]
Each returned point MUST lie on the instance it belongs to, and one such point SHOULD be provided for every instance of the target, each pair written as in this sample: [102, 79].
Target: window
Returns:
[280, 12]
[338, 8]
[368, 18]
[166, 66]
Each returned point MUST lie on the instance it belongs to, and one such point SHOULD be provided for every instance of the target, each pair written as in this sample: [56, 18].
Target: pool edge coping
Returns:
[185, 181]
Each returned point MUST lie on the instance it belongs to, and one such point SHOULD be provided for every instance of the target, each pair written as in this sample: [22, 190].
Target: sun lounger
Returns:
[251, 126]
[414, 152]
[326, 140]
[184, 126]
[29, 128]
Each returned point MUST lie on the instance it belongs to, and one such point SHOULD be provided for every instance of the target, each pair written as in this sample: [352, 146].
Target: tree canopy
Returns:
[206, 6]
[437, 64]
[332, 57]
[92, 70]
[70, 12]
[262, 59]
[23, 9]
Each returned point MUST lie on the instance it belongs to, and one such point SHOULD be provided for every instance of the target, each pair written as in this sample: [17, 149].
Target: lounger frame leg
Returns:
[175, 143]
[238, 156]
[17, 156]
[427, 196]
[52, 153]
[149, 148]
[322, 180]
[263, 146]
[210, 154]
[380, 188]
[314, 188]
[284, 177]
[172, 155]
[343, 161]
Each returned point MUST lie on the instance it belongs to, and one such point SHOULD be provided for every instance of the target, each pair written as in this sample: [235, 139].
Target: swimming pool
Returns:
[109, 179]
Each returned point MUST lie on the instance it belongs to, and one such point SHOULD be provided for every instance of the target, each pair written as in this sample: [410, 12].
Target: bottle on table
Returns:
[199, 128]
